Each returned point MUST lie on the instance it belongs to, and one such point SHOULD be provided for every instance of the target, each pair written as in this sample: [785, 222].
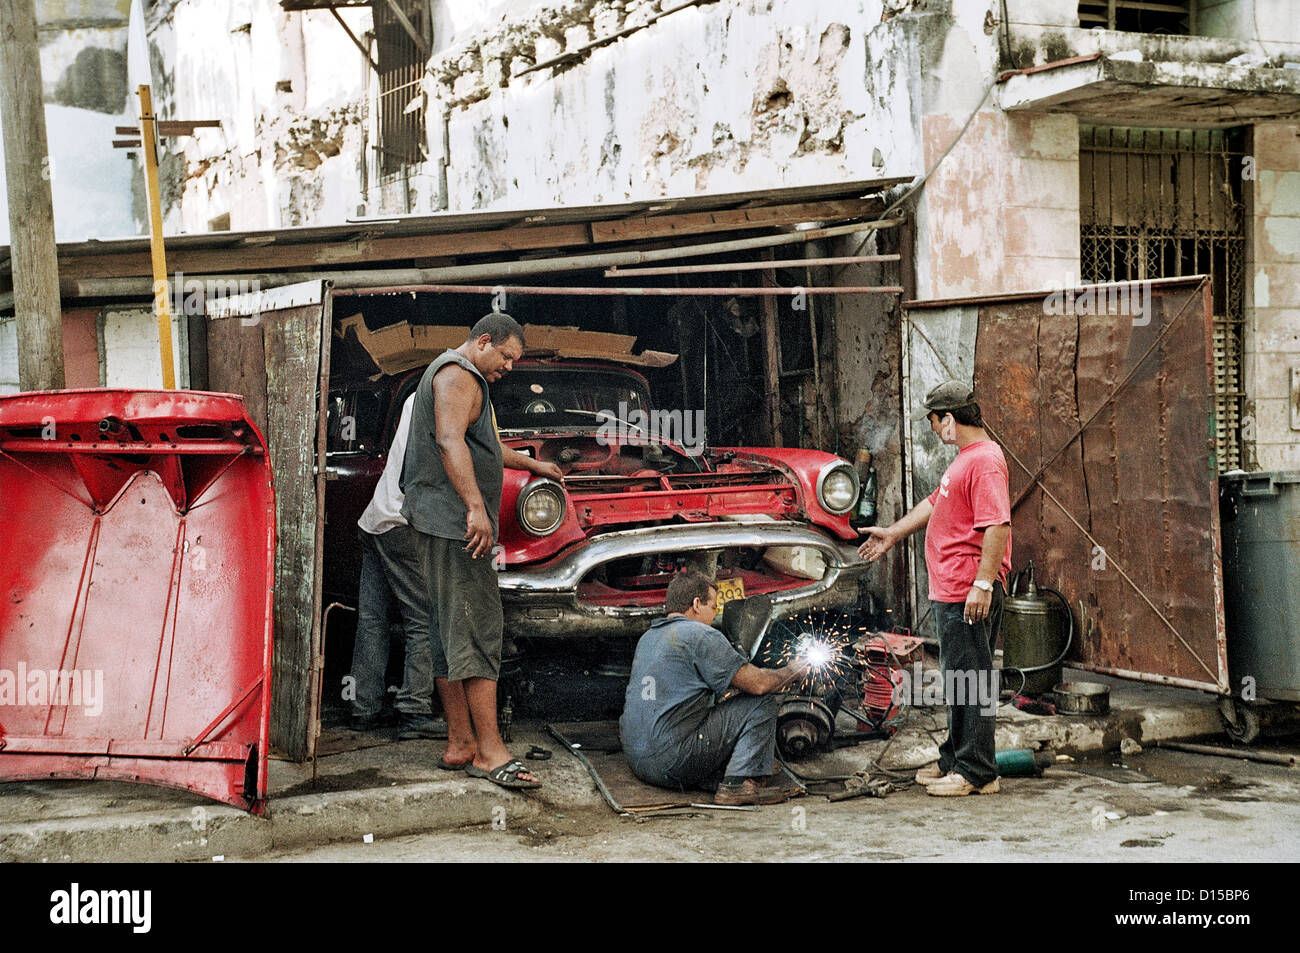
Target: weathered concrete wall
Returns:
[1268, 22]
[1273, 315]
[290, 91]
[1001, 212]
[866, 386]
[721, 97]
[83, 74]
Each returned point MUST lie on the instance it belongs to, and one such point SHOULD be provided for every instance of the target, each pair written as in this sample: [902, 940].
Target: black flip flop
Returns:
[448, 766]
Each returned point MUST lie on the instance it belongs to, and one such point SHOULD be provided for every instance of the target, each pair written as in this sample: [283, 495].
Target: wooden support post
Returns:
[817, 434]
[28, 174]
[772, 356]
[157, 251]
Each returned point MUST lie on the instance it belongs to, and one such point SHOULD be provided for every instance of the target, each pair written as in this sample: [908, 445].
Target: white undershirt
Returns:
[385, 509]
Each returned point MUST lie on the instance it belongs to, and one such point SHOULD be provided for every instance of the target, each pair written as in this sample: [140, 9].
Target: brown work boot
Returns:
[780, 781]
[749, 791]
[953, 784]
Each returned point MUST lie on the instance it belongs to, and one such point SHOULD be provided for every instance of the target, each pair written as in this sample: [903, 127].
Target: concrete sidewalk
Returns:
[394, 789]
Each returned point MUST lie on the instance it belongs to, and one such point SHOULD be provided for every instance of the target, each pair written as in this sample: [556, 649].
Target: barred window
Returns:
[1161, 203]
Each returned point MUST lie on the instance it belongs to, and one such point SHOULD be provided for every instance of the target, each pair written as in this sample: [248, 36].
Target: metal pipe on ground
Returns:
[142, 287]
[1266, 757]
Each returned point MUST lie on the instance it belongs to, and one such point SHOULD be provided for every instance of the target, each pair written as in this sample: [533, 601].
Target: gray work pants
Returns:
[736, 738]
[390, 570]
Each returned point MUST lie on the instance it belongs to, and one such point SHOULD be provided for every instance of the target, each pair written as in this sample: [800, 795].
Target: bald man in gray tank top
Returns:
[452, 479]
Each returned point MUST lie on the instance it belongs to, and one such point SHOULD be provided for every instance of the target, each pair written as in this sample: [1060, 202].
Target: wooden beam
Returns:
[313, 254]
[172, 127]
[31, 207]
[305, 254]
[694, 223]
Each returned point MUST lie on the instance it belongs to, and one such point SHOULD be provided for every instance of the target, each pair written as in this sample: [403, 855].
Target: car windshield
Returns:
[541, 398]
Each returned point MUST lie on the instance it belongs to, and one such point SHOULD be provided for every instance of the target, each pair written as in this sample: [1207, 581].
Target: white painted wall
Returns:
[131, 356]
[737, 95]
[8, 355]
[289, 90]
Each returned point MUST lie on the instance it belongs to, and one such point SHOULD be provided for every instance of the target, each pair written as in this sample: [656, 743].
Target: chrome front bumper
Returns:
[542, 601]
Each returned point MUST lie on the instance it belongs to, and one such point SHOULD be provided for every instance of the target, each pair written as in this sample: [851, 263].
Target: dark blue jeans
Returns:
[390, 572]
[966, 662]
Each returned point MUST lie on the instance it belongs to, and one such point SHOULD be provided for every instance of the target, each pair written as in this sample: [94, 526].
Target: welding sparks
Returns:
[822, 652]
[816, 653]
[823, 641]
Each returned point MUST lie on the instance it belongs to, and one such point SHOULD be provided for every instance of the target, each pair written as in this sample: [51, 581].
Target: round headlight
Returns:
[541, 507]
[837, 489]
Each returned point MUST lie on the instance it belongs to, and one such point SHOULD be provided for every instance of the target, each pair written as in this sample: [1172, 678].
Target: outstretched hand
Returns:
[881, 542]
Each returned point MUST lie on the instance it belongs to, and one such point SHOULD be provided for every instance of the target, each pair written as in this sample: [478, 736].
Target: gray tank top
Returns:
[432, 504]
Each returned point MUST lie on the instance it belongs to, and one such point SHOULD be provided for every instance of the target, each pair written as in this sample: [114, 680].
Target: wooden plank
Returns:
[293, 348]
[276, 255]
[237, 258]
[273, 363]
[694, 223]
[237, 364]
[318, 552]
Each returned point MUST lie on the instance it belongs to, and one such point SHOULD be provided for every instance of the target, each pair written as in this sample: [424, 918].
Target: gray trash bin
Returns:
[1260, 514]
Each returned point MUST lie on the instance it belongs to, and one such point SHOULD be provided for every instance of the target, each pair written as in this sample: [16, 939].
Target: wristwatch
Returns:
[983, 584]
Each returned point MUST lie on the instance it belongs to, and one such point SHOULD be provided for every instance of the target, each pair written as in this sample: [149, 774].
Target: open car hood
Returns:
[137, 543]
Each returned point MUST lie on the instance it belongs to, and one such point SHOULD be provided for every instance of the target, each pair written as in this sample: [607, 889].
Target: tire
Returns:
[1240, 720]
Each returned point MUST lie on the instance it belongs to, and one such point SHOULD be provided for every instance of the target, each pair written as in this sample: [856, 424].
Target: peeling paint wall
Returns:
[290, 91]
[721, 97]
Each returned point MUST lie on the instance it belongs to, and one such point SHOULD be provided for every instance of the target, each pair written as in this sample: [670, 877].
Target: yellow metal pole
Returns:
[161, 288]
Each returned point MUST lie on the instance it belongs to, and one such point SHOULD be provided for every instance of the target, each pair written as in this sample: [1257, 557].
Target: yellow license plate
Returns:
[729, 589]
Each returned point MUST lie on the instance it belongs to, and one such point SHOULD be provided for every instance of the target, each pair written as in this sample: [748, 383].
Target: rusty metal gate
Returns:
[1106, 419]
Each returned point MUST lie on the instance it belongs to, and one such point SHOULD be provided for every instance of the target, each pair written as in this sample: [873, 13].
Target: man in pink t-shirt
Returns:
[967, 557]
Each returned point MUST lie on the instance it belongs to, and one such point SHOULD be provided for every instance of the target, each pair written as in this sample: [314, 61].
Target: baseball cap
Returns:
[944, 397]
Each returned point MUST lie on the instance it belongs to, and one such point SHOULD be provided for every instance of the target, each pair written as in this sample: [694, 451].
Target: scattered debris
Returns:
[1128, 746]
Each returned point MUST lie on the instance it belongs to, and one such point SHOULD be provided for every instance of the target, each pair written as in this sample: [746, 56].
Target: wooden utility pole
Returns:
[28, 171]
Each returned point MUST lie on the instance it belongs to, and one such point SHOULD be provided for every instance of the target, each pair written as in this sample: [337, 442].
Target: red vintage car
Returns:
[642, 497]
